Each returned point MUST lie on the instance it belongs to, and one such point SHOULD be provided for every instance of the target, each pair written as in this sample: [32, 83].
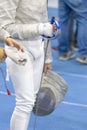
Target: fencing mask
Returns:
[51, 94]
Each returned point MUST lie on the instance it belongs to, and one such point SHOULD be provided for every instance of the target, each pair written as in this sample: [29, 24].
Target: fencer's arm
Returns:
[6, 38]
[21, 31]
[28, 31]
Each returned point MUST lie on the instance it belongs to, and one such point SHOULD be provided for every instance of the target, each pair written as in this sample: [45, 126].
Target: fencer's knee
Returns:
[25, 105]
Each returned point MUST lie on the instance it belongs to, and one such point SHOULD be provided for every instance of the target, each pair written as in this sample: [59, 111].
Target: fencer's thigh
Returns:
[22, 79]
[36, 48]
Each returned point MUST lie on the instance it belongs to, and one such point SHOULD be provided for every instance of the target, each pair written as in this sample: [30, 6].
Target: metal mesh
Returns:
[51, 93]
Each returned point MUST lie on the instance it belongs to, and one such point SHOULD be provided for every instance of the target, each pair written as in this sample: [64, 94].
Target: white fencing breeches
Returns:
[26, 82]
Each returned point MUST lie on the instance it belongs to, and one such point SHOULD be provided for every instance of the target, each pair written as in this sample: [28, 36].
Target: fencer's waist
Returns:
[29, 39]
[37, 42]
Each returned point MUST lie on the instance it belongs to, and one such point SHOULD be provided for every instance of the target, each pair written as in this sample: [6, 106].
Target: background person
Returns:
[80, 12]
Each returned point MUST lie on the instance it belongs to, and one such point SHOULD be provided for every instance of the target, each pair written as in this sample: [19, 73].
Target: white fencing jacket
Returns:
[3, 34]
[21, 18]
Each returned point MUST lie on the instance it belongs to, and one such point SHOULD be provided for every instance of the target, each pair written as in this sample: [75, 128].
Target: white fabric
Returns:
[17, 56]
[48, 50]
[45, 29]
[18, 24]
[17, 123]
[3, 34]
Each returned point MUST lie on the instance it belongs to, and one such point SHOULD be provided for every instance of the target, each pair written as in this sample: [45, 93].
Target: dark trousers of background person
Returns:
[79, 7]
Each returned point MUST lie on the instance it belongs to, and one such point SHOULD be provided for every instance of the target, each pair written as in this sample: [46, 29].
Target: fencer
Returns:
[26, 21]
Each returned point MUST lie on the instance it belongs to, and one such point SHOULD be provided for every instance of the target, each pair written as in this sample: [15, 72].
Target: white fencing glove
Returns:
[45, 29]
[17, 56]
[50, 30]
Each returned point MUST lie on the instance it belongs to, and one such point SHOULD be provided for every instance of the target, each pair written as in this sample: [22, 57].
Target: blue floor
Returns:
[71, 114]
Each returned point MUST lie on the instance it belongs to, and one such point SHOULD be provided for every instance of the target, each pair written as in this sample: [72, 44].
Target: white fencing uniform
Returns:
[3, 34]
[21, 19]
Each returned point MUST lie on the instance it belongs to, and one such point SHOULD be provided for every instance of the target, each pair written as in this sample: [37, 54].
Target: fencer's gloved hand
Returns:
[17, 56]
[45, 29]
[50, 30]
